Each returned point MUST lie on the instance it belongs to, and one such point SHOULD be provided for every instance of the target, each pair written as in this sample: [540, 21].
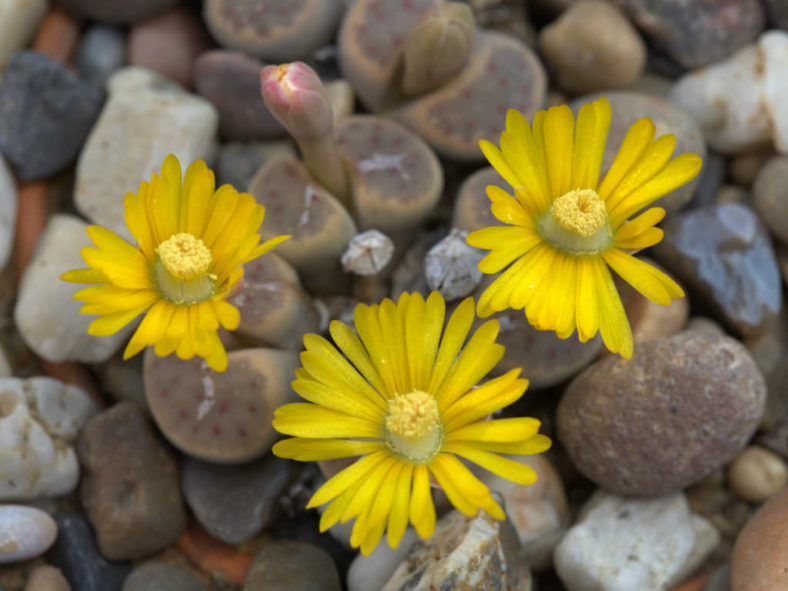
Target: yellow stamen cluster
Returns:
[184, 256]
[580, 211]
[412, 415]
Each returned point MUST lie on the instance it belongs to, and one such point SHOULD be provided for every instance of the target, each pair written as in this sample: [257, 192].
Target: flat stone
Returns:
[7, 211]
[771, 201]
[25, 532]
[75, 553]
[101, 51]
[724, 254]
[697, 33]
[39, 419]
[130, 490]
[145, 119]
[627, 107]
[681, 408]
[284, 565]
[220, 417]
[160, 576]
[47, 578]
[46, 314]
[233, 503]
[18, 22]
[46, 112]
[126, 12]
[464, 554]
[231, 81]
[621, 544]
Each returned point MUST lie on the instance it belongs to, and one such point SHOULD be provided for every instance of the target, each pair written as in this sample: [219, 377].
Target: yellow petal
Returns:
[593, 123]
[111, 323]
[302, 419]
[312, 450]
[198, 188]
[151, 329]
[369, 488]
[587, 308]
[350, 345]
[398, 517]
[84, 276]
[646, 279]
[453, 338]
[558, 138]
[485, 399]
[636, 141]
[498, 162]
[227, 314]
[466, 492]
[638, 225]
[422, 511]
[503, 467]
[531, 169]
[533, 445]
[336, 399]
[613, 323]
[497, 430]
[343, 479]
[653, 161]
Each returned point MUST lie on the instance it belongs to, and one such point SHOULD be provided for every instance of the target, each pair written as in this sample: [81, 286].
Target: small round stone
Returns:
[125, 12]
[160, 576]
[25, 532]
[292, 565]
[757, 474]
[47, 578]
[771, 199]
[682, 407]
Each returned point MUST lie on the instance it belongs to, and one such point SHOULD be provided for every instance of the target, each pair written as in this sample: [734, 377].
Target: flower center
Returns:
[413, 426]
[181, 269]
[577, 223]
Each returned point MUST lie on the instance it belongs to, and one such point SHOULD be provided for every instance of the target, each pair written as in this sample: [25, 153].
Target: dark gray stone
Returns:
[681, 408]
[778, 13]
[699, 32]
[117, 13]
[160, 576]
[233, 503]
[100, 52]
[46, 112]
[285, 565]
[75, 553]
[239, 161]
[724, 254]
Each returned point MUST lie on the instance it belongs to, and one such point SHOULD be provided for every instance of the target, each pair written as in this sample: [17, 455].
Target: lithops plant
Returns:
[467, 100]
[219, 417]
[472, 207]
[387, 177]
[275, 30]
[274, 309]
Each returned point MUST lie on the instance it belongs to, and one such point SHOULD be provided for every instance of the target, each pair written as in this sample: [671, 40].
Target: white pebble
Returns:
[25, 532]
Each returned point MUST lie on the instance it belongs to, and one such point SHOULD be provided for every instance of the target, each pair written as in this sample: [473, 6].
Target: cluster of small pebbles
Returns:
[668, 471]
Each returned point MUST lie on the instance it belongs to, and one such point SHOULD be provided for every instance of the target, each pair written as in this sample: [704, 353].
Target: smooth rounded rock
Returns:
[758, 560]
[283, 565]
[220, 417]
[161, 576]
[233, 503]
[697, 33]
[46, 112]
[130, 490]
[592, 47]
[627, 107]
[47, 578]
[771, 199]
[231, 81]
[169, 44]
[39, 419]
[277, 30]
[25, 532]
[101, 51]
[46, 314]
[7, 211]
[723, 254]
[18, 22]
[126, 12]
[372, 572]
[471, 206]
[682, 407]
[757, 474]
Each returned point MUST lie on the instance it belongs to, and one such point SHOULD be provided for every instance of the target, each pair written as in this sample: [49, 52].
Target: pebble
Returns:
[738, 101]
[733, 194]
[46, 314]
[724, 254]
[545, 359]
[145, 118]
[169, 43]
[682, 407]
[239, 161]
[771, 200]
[122, 379]
[39, 419]
[231, 81]
[283, 31]
[47, 578]
[621, 544]
[46, 112]
[161, 576]
[220, 417]
[757, 474]
[25, 532]
[744, 169]
[758, 560]
[283, 565]
[697, 33]
[471, 206]
[769, 349]
[777, 11]
[117, 13]
[275, 310]
[464, 553]
[7, 211]
[627, 107]
[127, 467]
[712, 176]
[593, 47]
[18, 21]
[75, 553]
[539, 512]
[101, 51]
[233, 503]
[371, 572]
[451, 266]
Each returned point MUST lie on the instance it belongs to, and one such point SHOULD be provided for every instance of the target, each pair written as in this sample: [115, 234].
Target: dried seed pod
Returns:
[451, 266]
[368, 253]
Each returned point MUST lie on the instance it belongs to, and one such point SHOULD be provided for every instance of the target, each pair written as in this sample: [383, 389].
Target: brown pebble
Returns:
[47, 578]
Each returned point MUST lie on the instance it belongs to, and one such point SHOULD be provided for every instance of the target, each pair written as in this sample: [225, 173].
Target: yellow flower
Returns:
[191, 243]
[565, 226]
[404, 398]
